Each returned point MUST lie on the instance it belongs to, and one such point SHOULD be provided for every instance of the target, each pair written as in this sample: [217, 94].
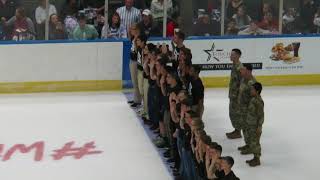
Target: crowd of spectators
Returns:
[83, 22]
[240, 18]
[302, 20]
[169, 97]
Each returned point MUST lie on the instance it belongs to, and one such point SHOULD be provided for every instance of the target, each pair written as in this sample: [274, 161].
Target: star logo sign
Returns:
[210, 53]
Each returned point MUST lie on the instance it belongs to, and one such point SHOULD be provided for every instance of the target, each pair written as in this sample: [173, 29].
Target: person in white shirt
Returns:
[40, 13]
[41, 16]
[316, 20]
[157, 7]
[128, 14]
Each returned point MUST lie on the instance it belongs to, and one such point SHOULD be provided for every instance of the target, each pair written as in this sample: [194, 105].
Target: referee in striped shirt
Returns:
[129, 15]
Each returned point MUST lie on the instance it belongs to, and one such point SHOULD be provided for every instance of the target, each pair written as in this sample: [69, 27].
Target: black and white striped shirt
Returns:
[129, 16]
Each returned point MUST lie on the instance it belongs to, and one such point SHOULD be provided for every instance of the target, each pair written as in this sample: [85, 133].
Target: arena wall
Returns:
[62, 66]
[278, 60]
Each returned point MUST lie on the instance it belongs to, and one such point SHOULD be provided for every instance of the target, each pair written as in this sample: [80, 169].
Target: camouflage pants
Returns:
[254, 141]
[244, 127]
[234, 112]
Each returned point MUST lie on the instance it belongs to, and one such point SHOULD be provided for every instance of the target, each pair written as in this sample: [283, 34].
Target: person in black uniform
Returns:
[197, 90]
[177, 44]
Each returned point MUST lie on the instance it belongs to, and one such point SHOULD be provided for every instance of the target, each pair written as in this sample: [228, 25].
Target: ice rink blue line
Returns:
[150, 136]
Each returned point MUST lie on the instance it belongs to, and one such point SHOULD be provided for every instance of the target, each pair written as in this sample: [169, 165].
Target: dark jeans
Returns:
[154, 103]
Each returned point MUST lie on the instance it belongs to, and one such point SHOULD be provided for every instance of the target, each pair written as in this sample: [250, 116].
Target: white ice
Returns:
[289, 142]
[290, 138]
[60, 118]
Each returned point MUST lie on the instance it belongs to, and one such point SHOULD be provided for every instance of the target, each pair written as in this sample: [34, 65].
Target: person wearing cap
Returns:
[244, 99]
[234, 86]
[203, 26]
[254, 120]
[129, 14]
[147, 26]
[226, 166]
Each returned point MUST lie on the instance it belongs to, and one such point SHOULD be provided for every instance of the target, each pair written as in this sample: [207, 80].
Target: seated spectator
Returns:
[253, 29]
[70, 23]
[99, 23]
[174, 23]
[266, 8]
[316, 20]
[290, 23]
[269, 23]
[41, 16]
[70, 8]
[56, 28]
[226, 165]
[114, 29]
[85, 31]
[289, 16]
[157, 7]
[242, 18]
[23, 28]
[203, 26]
[307, 12]
[147, 25]
[232, 28]
[2, 33]
[8, 8]
[232, 7]
[97, 4]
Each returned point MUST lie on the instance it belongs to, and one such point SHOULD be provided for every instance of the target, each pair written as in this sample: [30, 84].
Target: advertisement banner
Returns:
[269, 56]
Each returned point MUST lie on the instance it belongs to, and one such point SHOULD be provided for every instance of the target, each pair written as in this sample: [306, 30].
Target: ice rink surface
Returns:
[290, 137]
[290, 144]
[56, 119]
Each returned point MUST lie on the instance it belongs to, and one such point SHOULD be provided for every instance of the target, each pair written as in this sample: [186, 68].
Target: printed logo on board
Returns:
[218, 57]
[288, 54]
[216, 54]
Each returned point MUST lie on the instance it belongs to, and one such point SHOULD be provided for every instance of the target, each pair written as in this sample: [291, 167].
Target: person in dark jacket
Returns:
[8, 8]
[56, 28]
[147, 26]
[203, 27]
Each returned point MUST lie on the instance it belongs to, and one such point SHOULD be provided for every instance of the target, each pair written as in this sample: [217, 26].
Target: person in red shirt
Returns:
[269, 23]
[174, 23]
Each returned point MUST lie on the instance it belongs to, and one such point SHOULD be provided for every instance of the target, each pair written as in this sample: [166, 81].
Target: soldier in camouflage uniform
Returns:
[254, 121]
[234, 87]
[244, 98]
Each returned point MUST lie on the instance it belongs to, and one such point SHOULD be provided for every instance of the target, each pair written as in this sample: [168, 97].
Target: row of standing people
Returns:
[246, 108]
[169, 96]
